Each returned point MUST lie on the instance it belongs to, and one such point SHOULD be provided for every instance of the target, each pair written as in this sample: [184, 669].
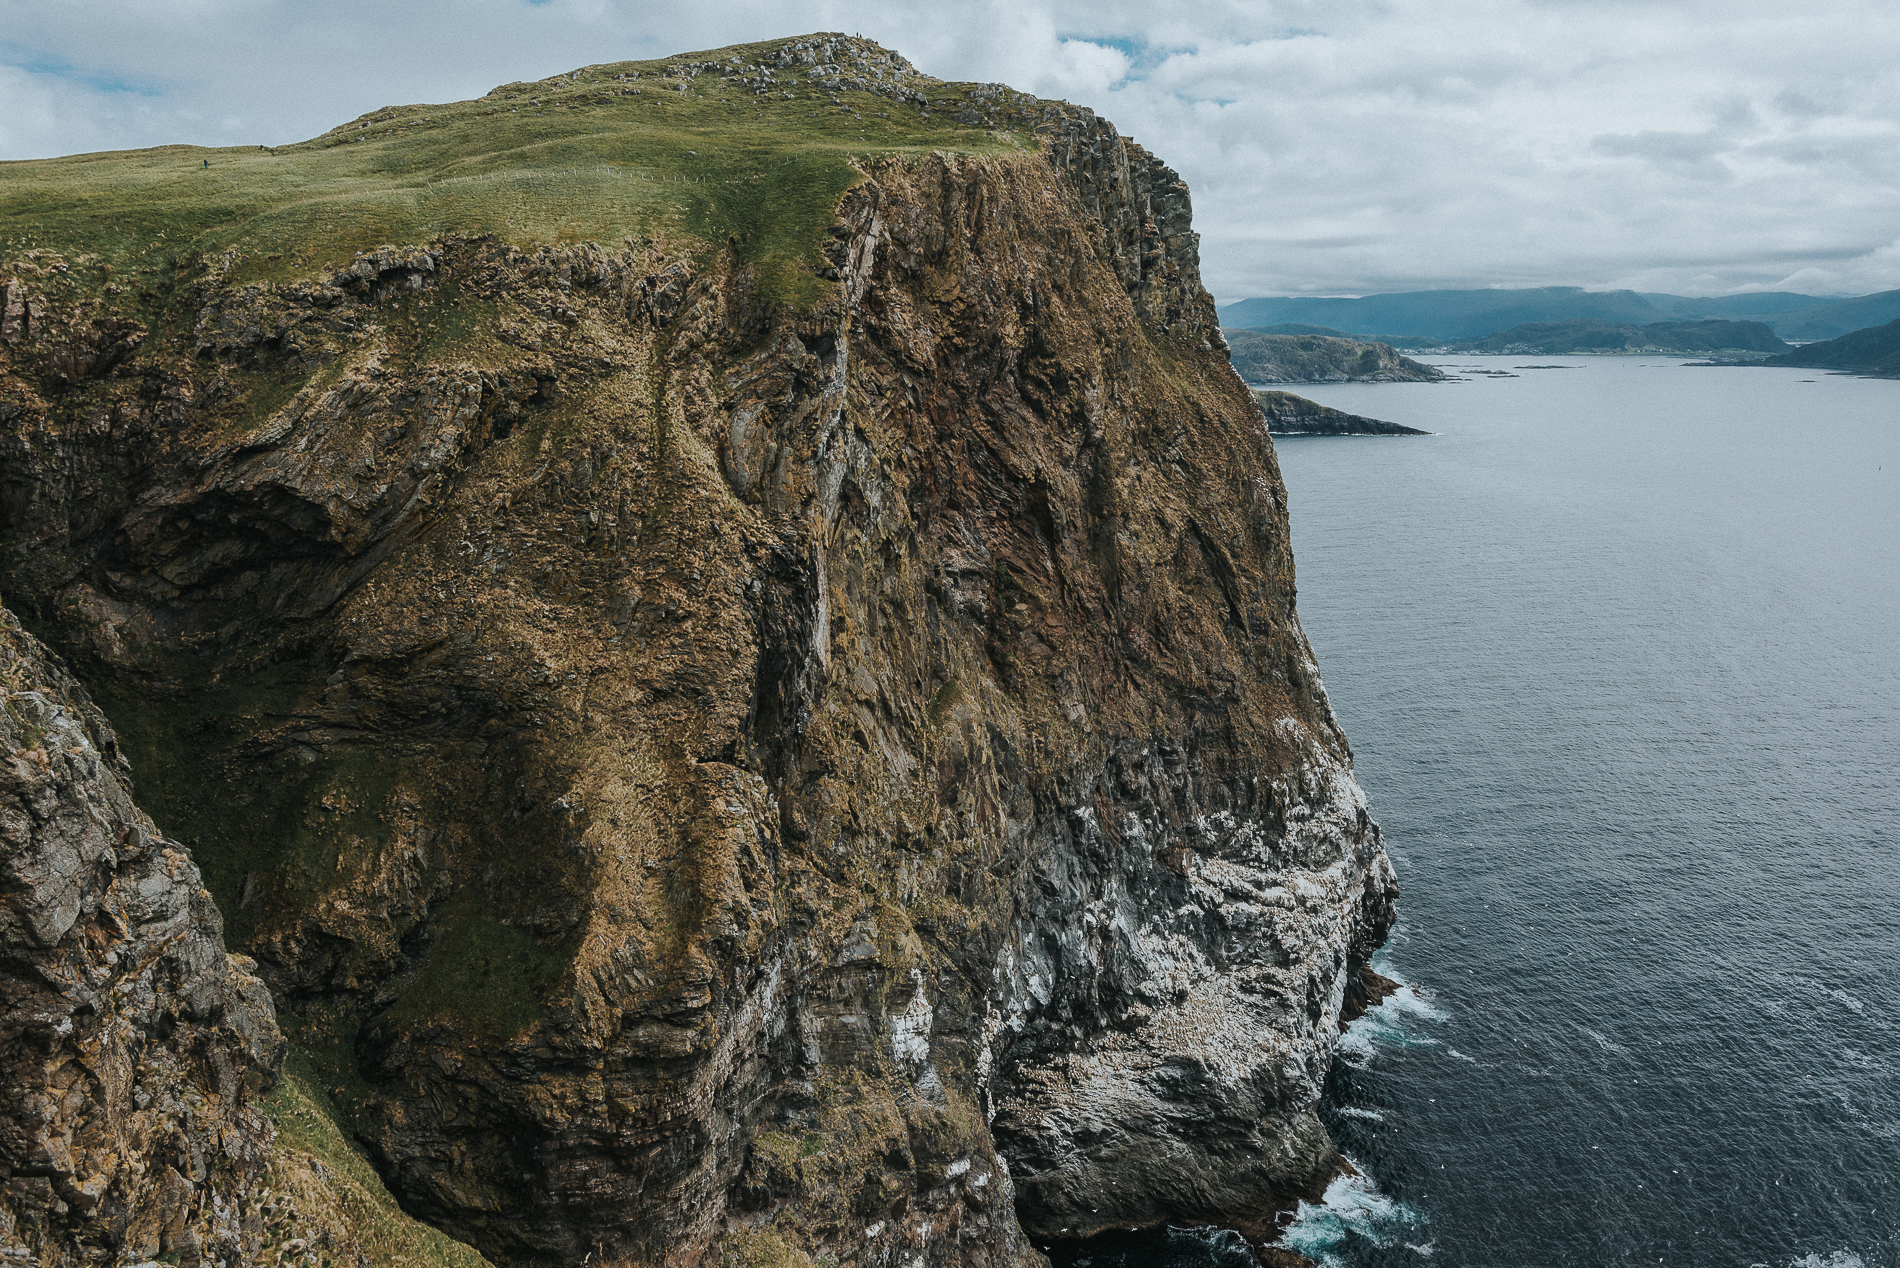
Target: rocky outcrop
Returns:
[1264, 357]
[1146, 217]
[134, 1047]
[727, 779]
[1290, 415]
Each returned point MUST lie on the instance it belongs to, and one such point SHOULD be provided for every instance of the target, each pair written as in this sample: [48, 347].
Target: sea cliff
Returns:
[778, 732]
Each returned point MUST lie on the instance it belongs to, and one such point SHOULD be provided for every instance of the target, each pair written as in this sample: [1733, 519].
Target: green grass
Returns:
[345, 1192]
[592, 161]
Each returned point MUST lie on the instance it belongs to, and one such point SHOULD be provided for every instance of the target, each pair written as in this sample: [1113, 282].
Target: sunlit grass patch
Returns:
[725, 147]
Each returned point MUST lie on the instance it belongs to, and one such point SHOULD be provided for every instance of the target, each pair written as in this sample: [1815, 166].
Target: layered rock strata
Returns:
[725, 780]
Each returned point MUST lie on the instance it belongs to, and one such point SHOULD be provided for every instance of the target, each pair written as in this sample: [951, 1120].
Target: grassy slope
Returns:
[328, 1184]
[572, 158]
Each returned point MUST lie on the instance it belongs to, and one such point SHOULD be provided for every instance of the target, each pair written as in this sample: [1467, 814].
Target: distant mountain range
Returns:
[1565, 338]
[1455, 316]
[1875, 351]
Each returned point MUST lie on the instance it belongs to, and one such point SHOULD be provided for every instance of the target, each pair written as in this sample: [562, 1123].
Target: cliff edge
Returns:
[753, 714]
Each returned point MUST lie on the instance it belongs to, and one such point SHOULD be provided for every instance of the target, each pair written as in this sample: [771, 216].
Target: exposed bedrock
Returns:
[132, 1047]
[715, 780]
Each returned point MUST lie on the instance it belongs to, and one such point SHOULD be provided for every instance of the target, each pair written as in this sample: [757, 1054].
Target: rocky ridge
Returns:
[726, 780]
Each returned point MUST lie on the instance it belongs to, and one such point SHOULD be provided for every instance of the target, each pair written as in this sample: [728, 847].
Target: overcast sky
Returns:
[1696, 146]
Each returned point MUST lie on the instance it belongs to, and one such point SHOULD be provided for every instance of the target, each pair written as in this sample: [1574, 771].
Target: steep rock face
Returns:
[1147, 220]
[725, 780]
[133, 1046]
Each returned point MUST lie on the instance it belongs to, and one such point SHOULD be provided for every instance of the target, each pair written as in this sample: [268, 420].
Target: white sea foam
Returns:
[1834, 1259]
[1394, 1023]
[1848, 1002]
[1412, 1001]
[1605, 1042]
[1352, 1207]
[1353, 1111]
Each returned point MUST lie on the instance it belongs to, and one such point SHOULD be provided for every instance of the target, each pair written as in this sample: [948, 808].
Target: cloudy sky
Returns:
[1336, 147]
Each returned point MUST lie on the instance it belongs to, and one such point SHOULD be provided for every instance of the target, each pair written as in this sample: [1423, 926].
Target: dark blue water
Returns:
[1619, 653]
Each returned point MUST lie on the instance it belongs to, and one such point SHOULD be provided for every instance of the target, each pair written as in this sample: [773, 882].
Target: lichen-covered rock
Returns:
[132, 1046]
[728, 779]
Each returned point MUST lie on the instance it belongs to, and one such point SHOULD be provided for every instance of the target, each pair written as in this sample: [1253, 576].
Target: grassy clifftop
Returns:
[749, 147]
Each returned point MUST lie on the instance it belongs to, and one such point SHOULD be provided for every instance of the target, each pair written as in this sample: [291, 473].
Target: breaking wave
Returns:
[1352, 1209]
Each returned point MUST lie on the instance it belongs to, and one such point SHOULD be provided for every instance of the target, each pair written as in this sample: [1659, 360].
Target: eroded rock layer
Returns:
[718, 778]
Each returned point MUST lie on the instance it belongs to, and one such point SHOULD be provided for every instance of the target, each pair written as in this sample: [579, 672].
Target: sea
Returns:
[1618, 650]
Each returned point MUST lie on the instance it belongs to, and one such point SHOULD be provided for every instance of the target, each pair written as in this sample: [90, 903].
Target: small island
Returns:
[1290, 415]
[1315, 354]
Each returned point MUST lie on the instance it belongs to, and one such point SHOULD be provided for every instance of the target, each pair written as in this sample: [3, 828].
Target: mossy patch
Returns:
[482, 972]
[763, 1248]
[943, 701]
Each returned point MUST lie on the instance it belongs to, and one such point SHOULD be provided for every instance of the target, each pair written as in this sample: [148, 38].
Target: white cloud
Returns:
[1387, 144]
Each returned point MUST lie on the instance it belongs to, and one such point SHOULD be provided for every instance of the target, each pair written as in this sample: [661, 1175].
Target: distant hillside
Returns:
[1263, 357]
[1412, 318]
[1295, 328]
[1442, 314]
[1875, 350]
[1561, 338]
[1290, 415]
[1754, 306]
[1839, 317]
